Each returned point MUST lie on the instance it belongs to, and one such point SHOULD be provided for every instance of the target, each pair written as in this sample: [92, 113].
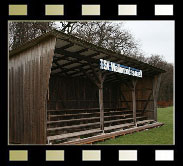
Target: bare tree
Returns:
[20, 32]
[67, 26]
[108, 35]
[166, 86]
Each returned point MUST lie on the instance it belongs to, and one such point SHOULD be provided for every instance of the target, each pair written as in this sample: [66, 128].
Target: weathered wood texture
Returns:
[102, 137]
[29, 73]
[156, 85]
[143, 95]
[134, 100]
[78, 92]
[101, 101]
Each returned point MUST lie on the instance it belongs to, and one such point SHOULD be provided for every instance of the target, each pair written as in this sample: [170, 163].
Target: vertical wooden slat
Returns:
[26, 98]
[10, 105]
[101, 104]
[31, 69]
[28, 93]
[15, 105]
[22, 102]
[134, 100]
[101, 101]
[37, 88]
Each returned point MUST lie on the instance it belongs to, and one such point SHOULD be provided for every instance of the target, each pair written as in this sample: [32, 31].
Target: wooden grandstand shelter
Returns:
[59, 92]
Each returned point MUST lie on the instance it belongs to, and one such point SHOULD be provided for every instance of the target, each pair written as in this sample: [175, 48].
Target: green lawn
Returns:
[162, 135]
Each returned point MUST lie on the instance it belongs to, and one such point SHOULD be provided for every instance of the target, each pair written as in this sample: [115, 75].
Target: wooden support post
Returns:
[134, 100]
[98, 81]
[156, 85]
[101, 102]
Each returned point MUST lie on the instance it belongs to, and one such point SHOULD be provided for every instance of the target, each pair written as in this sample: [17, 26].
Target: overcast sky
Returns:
[156, 37]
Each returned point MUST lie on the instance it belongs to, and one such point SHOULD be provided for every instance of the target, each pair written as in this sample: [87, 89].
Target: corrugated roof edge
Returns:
[59, 34]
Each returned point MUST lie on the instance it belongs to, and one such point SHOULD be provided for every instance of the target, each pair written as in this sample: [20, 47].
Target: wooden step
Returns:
[87, 132]
[123, 120]
[144, 122]
[85, 119]
[76, 111]
[81, 115]
[75, 134]
[71, 122]
[121, 126]
[87, 109]
[72, 127]
[88, 125]
[102, 137]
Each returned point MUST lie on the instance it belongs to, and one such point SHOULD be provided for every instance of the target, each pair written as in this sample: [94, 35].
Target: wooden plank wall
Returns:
[75, 93]
[142, 92]
[79, 92]
[29, 73]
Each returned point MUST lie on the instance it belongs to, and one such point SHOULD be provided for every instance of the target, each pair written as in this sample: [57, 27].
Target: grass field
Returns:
[162, 135]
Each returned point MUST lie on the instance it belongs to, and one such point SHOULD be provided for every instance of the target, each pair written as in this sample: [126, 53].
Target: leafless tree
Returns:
[166, 86]
[110, 35]
[20, 32]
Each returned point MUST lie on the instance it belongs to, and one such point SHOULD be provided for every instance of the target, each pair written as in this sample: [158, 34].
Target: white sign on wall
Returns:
[111, 66]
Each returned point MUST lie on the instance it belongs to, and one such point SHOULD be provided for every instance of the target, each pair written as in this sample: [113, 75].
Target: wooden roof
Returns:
[76, 57]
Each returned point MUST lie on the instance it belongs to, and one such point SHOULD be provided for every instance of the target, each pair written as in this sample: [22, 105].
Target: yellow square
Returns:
[91, 155]
[17, 10]
[18, 155]
[90, 9]
[127, 9]
[54, 155]
[54, 10]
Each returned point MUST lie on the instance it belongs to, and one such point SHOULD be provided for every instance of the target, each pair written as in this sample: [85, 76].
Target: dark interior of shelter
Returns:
[82, 103]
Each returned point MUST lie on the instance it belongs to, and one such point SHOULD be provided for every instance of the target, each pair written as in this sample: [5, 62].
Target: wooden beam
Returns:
[101, 102]
[89, 77]
[65, 58]
[122, 95]
[80, 51]
[96, 80]
[134, 81]
[75, 55]
[94, 54]
[67, 46]
[156, 85]
[115, 77]
[115, 81]
[148, 99]
[70, 63]
[110, 53]
[62, 69]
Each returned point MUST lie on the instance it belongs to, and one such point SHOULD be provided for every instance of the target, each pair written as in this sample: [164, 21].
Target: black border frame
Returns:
[109, 154]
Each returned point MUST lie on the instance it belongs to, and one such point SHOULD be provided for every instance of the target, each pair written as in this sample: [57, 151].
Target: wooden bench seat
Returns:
[85, 119]
[75, 134]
